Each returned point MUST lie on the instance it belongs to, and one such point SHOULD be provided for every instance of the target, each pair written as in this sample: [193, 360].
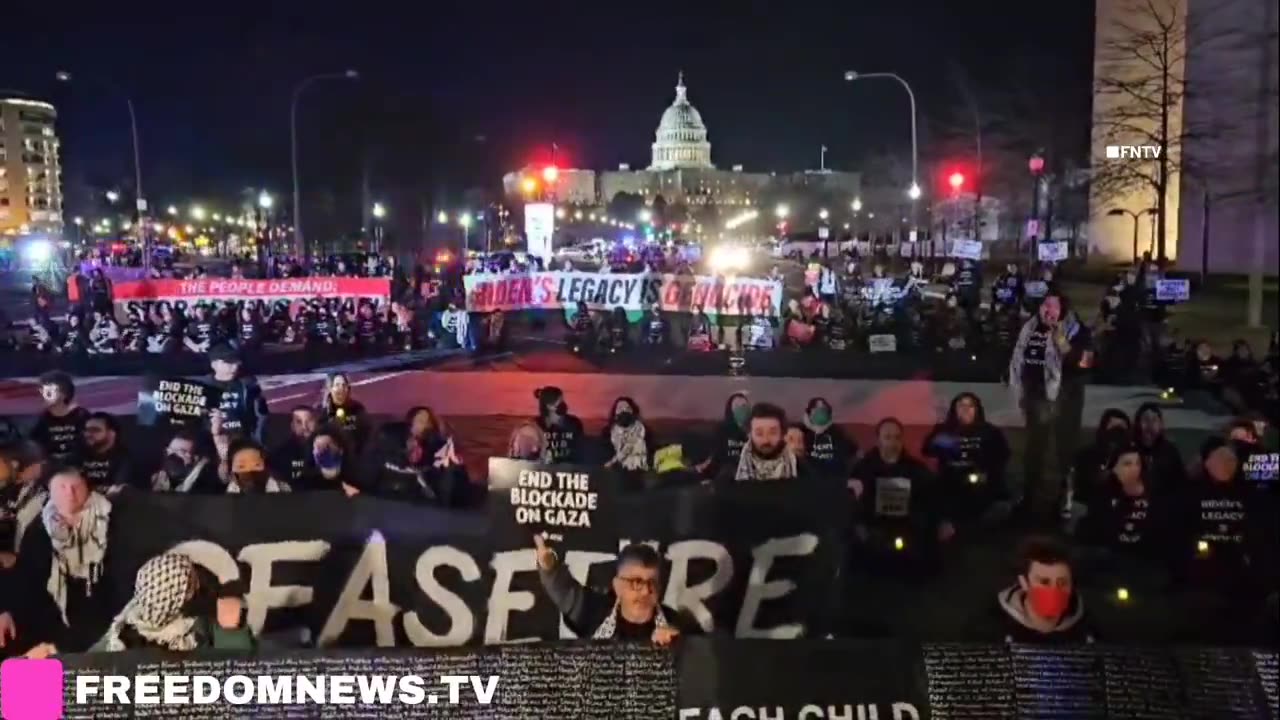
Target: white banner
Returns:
[1052, 251]
[967, 249]
[631, 292]
[539, 225]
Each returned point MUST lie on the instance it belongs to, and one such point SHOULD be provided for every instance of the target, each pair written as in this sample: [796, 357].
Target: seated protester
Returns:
[629, 610]
[1043, 607]
[654, 326]
[248, 474]
[291, 461]
[200, 331]
[104, 334]
[22, 495]
[62, 596]
[249, 329]
[730, 438]
[582, 330]
[427, 436]
[242, 404]
[178, 608]
[699, 337]
[60, 428]
[564, 434]
[765, 456]
[528, 443]
[616, 334]
[831, 451]
[335, 464]
[1242, 377]
[388, 472]
[626, 440]
[340, 410]
[796, 439]
[1165, 470]
[972, 455]
[75, 340]
[368, 328]
[1204, 370]
[1221, 526]
[105, 462]
[1091, 461]
[187, 468]
[1126, 517]
[897, 499]
[134, 334]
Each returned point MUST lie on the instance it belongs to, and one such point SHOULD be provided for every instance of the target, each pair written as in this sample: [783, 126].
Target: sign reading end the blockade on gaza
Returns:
[175, 401]
[560, 501]
[714, 295]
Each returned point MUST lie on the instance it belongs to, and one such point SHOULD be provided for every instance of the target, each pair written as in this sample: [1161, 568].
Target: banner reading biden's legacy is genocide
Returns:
[632, 292]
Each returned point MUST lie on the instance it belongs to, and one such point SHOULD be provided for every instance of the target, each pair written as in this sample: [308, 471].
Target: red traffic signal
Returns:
[550, 173]
[956, 180]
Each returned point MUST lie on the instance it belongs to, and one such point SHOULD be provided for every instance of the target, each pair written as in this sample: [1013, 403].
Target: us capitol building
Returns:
[681, 171]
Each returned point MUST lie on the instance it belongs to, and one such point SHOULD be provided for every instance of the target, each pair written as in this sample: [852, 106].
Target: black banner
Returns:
[563, 502]
[754, 561]
[724, 679]
[170, 401]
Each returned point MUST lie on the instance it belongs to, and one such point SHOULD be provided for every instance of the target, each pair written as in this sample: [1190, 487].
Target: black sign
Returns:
[175, 401]
[558, 501]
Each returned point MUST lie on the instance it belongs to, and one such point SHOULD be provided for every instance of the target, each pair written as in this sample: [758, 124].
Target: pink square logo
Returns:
[32, 689]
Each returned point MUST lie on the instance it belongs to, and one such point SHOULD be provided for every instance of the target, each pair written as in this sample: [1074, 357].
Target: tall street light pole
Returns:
[299, 242]
[914, 191]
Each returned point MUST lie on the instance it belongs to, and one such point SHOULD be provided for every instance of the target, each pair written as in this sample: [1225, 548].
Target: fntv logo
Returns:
[1134, 152]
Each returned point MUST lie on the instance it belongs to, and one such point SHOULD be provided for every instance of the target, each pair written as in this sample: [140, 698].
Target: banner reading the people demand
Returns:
[719, 295]
[142, 294]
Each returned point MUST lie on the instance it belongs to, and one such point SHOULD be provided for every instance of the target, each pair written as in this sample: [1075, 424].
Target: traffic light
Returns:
[550, 174]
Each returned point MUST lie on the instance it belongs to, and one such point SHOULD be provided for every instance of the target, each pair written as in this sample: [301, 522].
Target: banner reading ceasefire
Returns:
[631, 292]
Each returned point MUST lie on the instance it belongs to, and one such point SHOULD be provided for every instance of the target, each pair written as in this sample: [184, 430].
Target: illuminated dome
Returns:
[681, 138]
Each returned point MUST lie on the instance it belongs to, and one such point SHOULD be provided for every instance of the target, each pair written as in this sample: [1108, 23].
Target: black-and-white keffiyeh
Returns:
[754, 467]
[272, 485]
[609, 627]
[630, 451]
[31, 500]
[161, 482]
[162, 587]
[78, 550]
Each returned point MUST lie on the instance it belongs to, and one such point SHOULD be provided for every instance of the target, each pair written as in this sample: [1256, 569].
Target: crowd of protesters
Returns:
[1129, 496]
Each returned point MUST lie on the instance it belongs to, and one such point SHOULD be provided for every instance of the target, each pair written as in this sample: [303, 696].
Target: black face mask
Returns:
[176, 467]
[625, 419]
[252, 480]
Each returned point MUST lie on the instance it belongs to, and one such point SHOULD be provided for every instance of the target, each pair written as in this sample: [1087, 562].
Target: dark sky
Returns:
[212, 82]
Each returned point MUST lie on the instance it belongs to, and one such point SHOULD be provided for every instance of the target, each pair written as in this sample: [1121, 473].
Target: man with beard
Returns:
[61, 426]
[766, 455]
[972, 455]
[563, 432]
[628, 611]
[291, 460]
[243, 407]
[730, 437]
[1164, 466]
[896, 512]
[105, 462]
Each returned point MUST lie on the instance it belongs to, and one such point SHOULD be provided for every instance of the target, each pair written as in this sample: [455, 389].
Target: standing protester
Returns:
[766, 455]
[342, 411]
[1077, 365]
[105, 462]
[563, 432]
[247, 465]
[730, 438]
[60, 428]
[1043, 606]
[972, 455]
[62, 601]
[187, 468]
[1164, 465]
[243, 407]
[831, 451]
[628, 611]
[291, 460]
[1035, 377]
[626, 440]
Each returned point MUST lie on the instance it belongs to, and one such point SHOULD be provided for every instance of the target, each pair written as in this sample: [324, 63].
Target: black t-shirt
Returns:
[109, 468]
[1033, 358]
[241, 404]
[564, 441]
[60, 436]
[830, 452]
[292, 462]
[201, 331]
[1131, 521]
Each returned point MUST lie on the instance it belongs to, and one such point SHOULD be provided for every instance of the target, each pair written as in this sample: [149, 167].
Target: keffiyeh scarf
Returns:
[31, 499]
[754, 467]
[155, 612]
[161, 482]
[630, 450]
[609, 627]
[78, 550]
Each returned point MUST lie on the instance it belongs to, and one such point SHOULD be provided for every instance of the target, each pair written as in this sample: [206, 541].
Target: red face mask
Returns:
[1048, 602]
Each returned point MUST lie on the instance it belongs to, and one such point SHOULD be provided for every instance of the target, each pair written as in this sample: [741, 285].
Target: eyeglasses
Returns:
[635, 584]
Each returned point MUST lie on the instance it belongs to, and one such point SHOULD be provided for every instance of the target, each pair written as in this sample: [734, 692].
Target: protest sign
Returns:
[554, 500]
[883, 343]
[165, 401]
[1036, 289]
[967, 249]
[141, 295]
[1052, 251]
[632, 292]
[1173, 290]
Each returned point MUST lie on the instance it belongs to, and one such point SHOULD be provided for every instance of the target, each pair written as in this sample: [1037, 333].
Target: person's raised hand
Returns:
[545, 556]
[856, 487]
[41, 651]
[228, 612]
[350, 490]
[664, 636]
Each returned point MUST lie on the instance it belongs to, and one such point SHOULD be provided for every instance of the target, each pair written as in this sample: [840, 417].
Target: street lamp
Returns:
[442, 217]
[823, 214]
[561, 214]
[1121, 212]
[197, 212]
[172, 210]
[644, 215]
[529, 185]
[298, 238]
[64, 76]
[379, 211]
[782, 211]
[914, 191]
[265, 201]
[113, 196]
[465, 221]
[857, 205]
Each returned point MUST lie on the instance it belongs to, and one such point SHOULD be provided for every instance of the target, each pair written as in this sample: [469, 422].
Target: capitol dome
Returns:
[681, 137]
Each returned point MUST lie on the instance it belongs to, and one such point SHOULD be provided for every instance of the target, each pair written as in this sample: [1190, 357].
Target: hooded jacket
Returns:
[1015, 624]
[728, 441]
[1090, 466]
[967, 452]
[1165, 468]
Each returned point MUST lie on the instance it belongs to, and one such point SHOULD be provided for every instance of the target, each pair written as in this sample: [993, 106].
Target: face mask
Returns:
[820, 416]
[328, 460]
[625, 419]
[741, 414]
[251, 479]
[1048, 602]
[175, 466]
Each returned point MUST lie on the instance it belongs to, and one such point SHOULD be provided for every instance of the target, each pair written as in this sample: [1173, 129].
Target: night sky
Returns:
[452, 96]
